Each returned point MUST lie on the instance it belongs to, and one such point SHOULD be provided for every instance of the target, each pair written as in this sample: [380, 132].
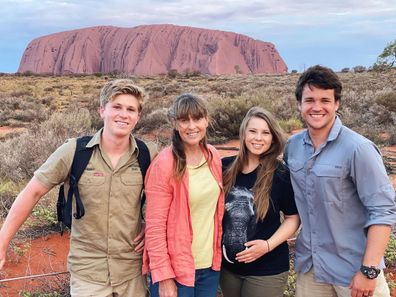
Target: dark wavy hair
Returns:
[320, 77]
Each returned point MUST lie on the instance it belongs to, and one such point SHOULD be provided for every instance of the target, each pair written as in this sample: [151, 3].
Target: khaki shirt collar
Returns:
[96, 140]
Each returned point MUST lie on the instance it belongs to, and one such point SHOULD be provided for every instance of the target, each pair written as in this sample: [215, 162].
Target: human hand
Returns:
[361, 286]
[167, 288]
[255, 249]
[139, 240]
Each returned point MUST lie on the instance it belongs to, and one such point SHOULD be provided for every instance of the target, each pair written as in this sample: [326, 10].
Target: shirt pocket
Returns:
[297, 173]
[329, 182]
[131, 187]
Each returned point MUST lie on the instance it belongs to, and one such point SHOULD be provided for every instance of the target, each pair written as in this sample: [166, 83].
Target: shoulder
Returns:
[164, 158]
[152, 147]
[227, 161]
[297, 137]
[215, 153]
[354, 143]
[282, 172]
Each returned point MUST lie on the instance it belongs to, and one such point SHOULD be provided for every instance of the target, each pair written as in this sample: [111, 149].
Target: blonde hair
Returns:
[185, 106]
[121, 86]
[268, 160]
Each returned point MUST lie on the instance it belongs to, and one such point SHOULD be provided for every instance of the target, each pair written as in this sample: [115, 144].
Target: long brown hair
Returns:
[185, 106]
[268, 160]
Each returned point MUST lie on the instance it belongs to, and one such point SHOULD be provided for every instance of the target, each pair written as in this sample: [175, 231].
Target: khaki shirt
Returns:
[102, 248]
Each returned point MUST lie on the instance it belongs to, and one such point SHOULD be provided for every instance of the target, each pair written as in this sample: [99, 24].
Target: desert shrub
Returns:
[24, 154]
[388, 100]
[173, 73]
[17, 111]
[291, 124]
[8, 192]
[22, 93]
[359, 69]
[345, 70]
[390, 252]
[227, 115]
[154, 120]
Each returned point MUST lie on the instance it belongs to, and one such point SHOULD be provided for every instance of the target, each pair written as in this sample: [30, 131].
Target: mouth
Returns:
[192, 134]
[257, 146]
[121, 123]
[316, 116]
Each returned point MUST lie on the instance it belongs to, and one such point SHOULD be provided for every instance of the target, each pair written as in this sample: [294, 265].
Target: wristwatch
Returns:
[370, 272]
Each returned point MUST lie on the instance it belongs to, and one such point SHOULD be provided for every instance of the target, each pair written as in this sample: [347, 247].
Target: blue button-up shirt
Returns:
[341, 189]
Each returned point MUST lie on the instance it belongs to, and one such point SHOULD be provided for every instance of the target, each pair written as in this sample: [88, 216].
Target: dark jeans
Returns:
[206, 283]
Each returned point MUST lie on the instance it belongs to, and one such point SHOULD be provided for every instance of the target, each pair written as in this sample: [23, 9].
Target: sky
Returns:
[333, 33]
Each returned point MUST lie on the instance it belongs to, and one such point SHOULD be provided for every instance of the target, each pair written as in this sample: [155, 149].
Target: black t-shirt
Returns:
[240, 224]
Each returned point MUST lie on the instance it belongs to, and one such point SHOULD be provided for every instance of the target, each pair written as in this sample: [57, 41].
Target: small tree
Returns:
[387, 59]
[359, 69]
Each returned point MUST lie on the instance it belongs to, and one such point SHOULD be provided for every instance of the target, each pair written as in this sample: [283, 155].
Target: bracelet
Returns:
[268, 246]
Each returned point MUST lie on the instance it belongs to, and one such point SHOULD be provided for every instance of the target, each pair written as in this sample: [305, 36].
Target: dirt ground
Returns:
[48, 255]
[39, 256]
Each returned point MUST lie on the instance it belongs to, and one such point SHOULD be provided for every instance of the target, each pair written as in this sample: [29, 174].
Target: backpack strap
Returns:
[80, 162]
[144, 162]
[143, 156]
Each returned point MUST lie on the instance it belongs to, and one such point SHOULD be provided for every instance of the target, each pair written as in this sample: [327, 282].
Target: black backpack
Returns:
[81, 158]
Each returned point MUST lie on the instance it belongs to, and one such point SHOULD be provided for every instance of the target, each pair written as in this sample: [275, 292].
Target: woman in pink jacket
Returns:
[185, 201]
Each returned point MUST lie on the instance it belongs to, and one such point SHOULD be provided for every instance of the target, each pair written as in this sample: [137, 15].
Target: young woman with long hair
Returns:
[258, 188]
[185, 205]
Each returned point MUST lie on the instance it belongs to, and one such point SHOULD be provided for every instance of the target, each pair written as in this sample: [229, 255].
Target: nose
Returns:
[316, 105]
[123, 112]
[191, 123]
[259, 136]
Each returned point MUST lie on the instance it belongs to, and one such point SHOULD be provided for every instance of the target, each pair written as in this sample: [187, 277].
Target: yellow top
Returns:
[204, 192]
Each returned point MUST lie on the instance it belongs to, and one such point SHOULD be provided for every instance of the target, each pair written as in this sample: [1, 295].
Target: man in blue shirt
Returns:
[343, 194]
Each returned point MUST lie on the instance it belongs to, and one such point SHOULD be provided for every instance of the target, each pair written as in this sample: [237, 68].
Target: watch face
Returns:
[372, 273]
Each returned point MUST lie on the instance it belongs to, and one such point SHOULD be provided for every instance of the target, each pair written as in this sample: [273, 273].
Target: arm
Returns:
[159, 196]
[19, 212]
[377, 240]
[377, 195]
[258, 248]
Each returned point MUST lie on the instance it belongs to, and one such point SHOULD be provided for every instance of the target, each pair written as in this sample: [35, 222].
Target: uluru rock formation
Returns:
[149, 50]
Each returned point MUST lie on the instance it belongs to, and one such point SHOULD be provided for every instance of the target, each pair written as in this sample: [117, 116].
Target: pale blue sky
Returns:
[337, 34]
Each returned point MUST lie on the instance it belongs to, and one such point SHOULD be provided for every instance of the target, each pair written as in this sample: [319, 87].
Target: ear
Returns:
[101, 111]
[337, 105]
[299, 106]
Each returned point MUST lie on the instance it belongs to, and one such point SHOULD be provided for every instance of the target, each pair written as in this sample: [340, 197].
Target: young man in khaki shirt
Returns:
[105, 256]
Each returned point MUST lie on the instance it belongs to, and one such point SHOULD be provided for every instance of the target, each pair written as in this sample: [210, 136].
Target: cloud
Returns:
[287, 23]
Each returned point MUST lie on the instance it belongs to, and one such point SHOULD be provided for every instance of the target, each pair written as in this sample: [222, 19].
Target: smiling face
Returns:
[120, 115]
[318, 109]
[192, 130]
[258, 137]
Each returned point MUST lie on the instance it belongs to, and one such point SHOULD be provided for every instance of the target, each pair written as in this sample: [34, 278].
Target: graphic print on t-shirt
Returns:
[239, 222]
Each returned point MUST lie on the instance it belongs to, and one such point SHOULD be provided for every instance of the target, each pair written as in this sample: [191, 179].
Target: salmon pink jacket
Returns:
[168, 238]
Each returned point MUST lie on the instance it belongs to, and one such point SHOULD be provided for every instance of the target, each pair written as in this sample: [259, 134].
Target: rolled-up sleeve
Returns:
[373, 185]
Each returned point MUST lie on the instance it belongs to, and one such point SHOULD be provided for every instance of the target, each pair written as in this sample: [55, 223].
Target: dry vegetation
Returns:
[42, 111]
